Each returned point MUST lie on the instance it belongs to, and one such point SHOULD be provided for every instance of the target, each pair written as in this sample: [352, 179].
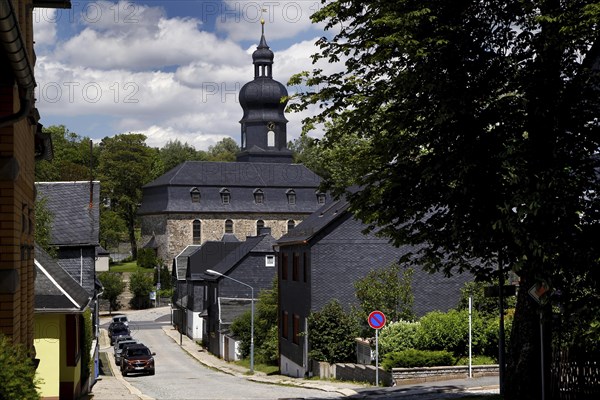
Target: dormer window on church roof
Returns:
[195, 194]
[225, 196]
[291, 196]
[321, 198]
[259, 196]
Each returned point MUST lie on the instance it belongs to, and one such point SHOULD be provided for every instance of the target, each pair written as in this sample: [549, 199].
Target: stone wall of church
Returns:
[174, 233]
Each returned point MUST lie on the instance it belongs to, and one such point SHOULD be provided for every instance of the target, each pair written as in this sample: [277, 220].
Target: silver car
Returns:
[119, 346]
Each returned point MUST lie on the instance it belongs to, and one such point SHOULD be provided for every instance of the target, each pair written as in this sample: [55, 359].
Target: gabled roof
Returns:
[252, 244]
[74, 222]
[55, 289]
[210, 254]
[316, 222]
[181, 261]
[206, 173]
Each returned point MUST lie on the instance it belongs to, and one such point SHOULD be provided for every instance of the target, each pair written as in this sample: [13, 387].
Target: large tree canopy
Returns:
[481, 124]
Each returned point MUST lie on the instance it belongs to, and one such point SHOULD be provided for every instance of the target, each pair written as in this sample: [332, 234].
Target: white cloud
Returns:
[44, 20]
[139, 70]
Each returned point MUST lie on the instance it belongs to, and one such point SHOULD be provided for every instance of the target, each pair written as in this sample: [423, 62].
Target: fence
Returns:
[575, 375]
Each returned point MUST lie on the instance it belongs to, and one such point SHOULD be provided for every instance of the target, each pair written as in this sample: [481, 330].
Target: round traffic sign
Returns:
[376, 320]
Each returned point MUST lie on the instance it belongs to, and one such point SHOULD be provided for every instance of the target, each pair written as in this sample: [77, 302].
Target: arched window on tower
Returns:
[196, 231]
[270, 134]
[228, 226]
[259, 225]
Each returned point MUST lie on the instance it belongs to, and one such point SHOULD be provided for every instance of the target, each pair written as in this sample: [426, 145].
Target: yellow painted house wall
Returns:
[48, 331]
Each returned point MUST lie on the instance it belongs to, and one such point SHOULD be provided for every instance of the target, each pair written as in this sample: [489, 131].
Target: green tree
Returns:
[225, 150]
[174, 153]
[43, 225]
[481, 121]
[266, 347]
[71, 157]
[113, 287]
[397, 336]
[388, 290]
[141, 284]
[332, 334]
[17, 375]
[125, 162]
[112, 228]
[306, 150]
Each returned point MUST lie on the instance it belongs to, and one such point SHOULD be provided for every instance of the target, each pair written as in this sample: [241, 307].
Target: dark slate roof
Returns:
[204, 173]
[181, 261]
[74, 222]
[172, 191]
[101, 251]
[209, 255]
[252, 244]
[55, 289]
[230, 309]
[315, 222]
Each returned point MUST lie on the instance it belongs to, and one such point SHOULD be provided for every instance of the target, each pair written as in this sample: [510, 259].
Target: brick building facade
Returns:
[21, 143]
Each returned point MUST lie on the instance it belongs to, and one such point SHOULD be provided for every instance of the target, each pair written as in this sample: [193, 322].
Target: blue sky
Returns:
[167, 69]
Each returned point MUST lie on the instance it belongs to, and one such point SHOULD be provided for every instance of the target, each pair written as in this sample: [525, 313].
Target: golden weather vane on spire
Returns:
[262, 20]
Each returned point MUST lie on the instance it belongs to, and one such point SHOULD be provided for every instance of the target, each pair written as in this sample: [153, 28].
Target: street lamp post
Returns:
[211, 272]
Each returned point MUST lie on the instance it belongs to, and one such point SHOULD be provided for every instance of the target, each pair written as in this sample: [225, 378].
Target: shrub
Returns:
[17, 372]
[332, 333]
[397, 336]
[416, 358]
[146, 258]
[450, 331]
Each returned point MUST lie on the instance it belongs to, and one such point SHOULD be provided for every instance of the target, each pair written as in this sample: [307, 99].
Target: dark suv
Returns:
[117, 330]
[137, 358]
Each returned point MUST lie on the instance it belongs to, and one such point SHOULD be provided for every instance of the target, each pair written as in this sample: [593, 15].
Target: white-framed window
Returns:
[291, 196]
[259, 196]
[269, 260]
[195, 194]
[225, 196]
[321, 198]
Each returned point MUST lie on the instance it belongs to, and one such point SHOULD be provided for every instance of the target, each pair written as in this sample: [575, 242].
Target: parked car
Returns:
[120, 346]
[121, 318]
[117, 330]
[137, 358]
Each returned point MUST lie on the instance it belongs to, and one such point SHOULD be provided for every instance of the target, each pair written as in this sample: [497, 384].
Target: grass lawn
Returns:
[130, 266]
[267, 369]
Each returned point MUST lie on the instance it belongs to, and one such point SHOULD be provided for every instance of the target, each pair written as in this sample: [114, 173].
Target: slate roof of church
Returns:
[55, 289]
[74, 223]
[181, 260]
[171, 192]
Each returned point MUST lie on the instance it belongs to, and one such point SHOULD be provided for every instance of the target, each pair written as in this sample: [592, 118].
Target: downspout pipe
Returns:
[13, 45]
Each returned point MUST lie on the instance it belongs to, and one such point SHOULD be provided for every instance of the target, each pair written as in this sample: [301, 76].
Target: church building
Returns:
[200, 201]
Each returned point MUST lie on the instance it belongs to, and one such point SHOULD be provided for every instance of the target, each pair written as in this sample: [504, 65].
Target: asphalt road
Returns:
[179, 376]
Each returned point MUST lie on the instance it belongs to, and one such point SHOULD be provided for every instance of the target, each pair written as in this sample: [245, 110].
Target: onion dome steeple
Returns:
[264, 135]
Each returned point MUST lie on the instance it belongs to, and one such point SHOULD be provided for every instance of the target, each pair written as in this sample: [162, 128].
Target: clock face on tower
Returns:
[271, 126]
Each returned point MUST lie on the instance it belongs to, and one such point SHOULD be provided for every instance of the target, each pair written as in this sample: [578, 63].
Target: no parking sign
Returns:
[376, 321]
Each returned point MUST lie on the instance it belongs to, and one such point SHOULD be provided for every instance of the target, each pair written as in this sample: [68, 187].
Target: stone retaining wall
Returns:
[403, 376]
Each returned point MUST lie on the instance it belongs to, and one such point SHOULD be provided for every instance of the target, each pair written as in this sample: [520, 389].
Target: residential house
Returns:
[215, 301]
[60, 321]
[321, 259]
[201, 201]
[22, 143]
[74, 234]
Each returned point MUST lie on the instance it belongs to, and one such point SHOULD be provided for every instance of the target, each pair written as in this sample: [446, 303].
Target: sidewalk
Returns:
[110, 385]
[474, 385]
[211, 361]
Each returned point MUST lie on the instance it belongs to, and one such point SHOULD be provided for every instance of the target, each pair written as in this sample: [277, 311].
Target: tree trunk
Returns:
[523, 372]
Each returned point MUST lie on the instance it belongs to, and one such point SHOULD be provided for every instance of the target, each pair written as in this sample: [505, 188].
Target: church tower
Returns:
[264, 134]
